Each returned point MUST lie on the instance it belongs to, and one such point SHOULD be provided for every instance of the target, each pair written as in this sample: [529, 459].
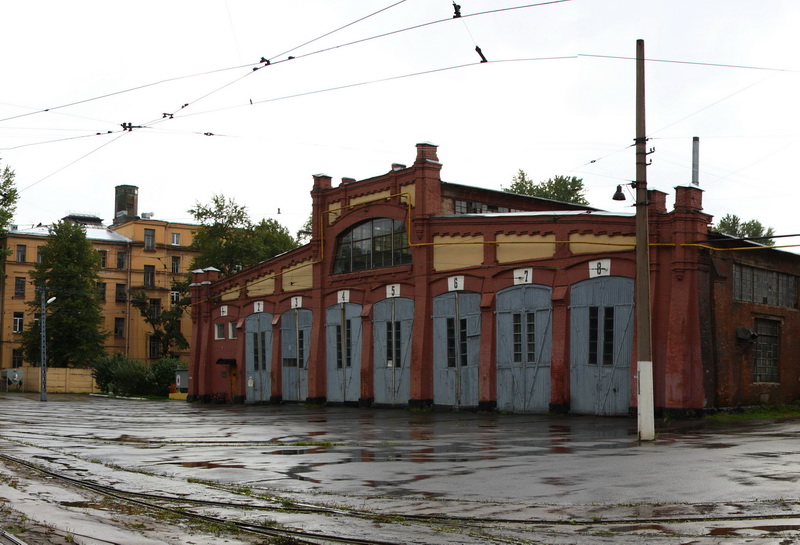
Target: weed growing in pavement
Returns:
[758, 412]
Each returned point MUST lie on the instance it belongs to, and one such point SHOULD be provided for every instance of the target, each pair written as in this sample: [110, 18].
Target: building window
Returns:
[176, 239]
[18, 322]
[103, 258]
[174, 297]
[119, 328]
[176, 264]
[393, 344]
[765, 287]
[456, 342]
[155, 309]
[120, 294]
[232, 330]
[21, 253]
[153, 347]
[373, 244]
[122, 261]
[149, 276]
[38, 254]
[344, 345]
[149, 240]
[19, 286]
[219, 331]
[766, 350]
[601, 335]
[101, 291]
[16, 357]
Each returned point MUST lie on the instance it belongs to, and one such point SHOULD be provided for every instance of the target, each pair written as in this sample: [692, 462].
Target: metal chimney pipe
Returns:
[696, 160]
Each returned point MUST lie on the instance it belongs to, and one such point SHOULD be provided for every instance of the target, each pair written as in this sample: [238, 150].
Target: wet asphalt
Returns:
[505, 466]
[445, 455]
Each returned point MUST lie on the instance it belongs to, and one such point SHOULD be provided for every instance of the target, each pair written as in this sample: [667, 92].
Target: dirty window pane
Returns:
[766, 350]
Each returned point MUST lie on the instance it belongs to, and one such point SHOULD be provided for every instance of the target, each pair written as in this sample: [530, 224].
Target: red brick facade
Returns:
[487, 237]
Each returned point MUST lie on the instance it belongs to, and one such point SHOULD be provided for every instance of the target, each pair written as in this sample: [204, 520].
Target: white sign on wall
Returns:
[523, 276]
[258, 306]
[455, 283]
[297, 301]
[393, 290]
[223, 310]
[599, 267]
[343, 296]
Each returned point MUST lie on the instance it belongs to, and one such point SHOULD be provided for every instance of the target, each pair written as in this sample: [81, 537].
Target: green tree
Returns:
[68, 270]
[228, 240]
[559, 188]
[166, 324]
[731, 224]
[8, 200]
[304, 233]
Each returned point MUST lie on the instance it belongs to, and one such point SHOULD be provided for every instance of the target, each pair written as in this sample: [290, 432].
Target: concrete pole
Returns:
[43, 347]
[645, 403]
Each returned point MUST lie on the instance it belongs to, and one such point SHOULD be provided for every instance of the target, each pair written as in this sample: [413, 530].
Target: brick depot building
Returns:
[417, 292]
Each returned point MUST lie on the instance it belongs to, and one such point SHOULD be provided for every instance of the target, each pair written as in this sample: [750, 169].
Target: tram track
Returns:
[162, 502]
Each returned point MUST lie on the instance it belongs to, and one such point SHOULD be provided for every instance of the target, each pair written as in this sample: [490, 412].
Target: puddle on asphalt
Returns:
[773, 529]
[211, 465]
[82, 504]
[639, 527]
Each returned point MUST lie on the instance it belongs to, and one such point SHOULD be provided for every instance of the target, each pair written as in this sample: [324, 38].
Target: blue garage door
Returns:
[343, 349]
[524, 346]
[295, 342]
[392, 328]
[456, 349]
[258, 357]
[601, 342]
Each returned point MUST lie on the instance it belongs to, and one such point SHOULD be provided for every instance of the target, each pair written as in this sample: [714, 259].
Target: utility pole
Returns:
[644, 351]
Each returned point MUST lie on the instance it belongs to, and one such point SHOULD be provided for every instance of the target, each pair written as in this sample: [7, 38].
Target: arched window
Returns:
[372, 244]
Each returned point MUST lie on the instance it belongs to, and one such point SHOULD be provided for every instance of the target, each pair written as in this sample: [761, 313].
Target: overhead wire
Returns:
[370, 82]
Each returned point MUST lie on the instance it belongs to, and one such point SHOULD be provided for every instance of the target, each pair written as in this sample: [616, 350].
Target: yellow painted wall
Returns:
[298, 277]
[334, 211]
[369, 198]
[520, 247]
[261, 286]
[593, 244]
[455, 252]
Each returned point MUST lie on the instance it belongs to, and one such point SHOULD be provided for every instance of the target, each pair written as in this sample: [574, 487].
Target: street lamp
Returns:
[45, 302]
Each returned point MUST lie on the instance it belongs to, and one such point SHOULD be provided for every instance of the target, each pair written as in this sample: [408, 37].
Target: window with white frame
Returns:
[18, 323]
[219, 331]
[176, 239]
[231, 330]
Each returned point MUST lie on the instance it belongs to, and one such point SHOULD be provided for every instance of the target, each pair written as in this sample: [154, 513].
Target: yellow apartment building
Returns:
[136, 253]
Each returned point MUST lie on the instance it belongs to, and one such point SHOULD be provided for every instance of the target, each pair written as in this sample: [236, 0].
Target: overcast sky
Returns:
[557, 97]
